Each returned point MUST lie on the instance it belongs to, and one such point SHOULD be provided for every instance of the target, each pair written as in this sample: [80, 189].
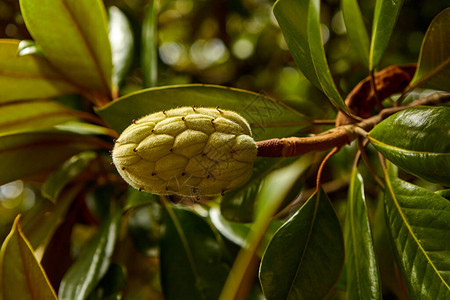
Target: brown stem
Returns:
[322, 165]
[339, 136]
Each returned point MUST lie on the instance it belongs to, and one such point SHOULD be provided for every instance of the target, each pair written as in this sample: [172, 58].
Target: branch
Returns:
[339, 136]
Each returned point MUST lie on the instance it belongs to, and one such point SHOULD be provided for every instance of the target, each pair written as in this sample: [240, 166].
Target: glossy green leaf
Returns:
[418, 141]
[41, 223]
[267, 117]
[25, 154]
[300, 23]
[238, 232]
[19, 267]
[298, 264]
[274, 190]
[122, 43]
[356, 29]
[363, 280]
[67, 171]
[73, 35]
[418, 221]
[191, 260]
[27, 47]
[29, 76]
[149, 54]
[84, 128]
[93, 262]
[27, 116]
[433, 68]
[111, 284]
[319, 58]
[292, 16]
[385, 17]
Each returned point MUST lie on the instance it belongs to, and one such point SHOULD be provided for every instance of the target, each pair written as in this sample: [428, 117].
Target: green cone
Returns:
[186, 151]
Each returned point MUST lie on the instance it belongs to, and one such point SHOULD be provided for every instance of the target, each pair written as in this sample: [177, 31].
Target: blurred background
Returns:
[235, 43]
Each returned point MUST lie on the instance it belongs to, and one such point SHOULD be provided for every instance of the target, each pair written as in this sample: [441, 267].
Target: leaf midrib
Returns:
[88, 48]
[409, 228]
[313, 220]
[352, 222]
[375, 141]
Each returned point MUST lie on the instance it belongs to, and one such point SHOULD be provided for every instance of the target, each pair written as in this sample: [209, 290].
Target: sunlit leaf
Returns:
[273, 192]
[73, 35]
[28, 76]
[300, 22]
[319, 58]
[267, 117]
[27, 116]
[149, 54]
[385, 17]
[418, 221]
[433, 68]
[66, 172]
[19, 267]
[93, 262]
[292, 16]
[356, 29]
[418, 141]
[361, 267]
[191, 259]
[85, 128]
[121, 38]
[238, 232]
[297, 263]
[26, 154]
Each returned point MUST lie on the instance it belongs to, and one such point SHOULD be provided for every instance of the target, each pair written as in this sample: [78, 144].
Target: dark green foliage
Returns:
[75, 73]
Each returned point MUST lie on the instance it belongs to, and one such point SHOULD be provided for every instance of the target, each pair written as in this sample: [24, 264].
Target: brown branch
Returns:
[339, 136]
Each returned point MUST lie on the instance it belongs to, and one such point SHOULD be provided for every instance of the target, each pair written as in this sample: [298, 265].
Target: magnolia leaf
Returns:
[93, 262]
[29, 76]
[73, 35]
[28, 116]
[385, 17]
[149, 54]
[433, 68]
[363, 280]
[356, 29]
[420, 231]
[300, 24]
[19, 267]
[267, 117]
[121, 38]
[297, 263]
[26, 154]
[191, 259]
[418, 141]
[66, 172]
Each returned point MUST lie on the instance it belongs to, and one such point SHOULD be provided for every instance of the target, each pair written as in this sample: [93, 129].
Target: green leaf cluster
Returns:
[308, 227]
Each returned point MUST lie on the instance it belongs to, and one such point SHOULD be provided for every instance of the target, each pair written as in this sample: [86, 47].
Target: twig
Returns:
[339, 136]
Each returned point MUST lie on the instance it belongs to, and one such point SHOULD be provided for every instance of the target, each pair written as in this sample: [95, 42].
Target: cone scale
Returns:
[186, 151]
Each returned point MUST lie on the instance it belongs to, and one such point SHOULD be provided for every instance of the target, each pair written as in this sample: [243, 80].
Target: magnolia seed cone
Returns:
[186, 151]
